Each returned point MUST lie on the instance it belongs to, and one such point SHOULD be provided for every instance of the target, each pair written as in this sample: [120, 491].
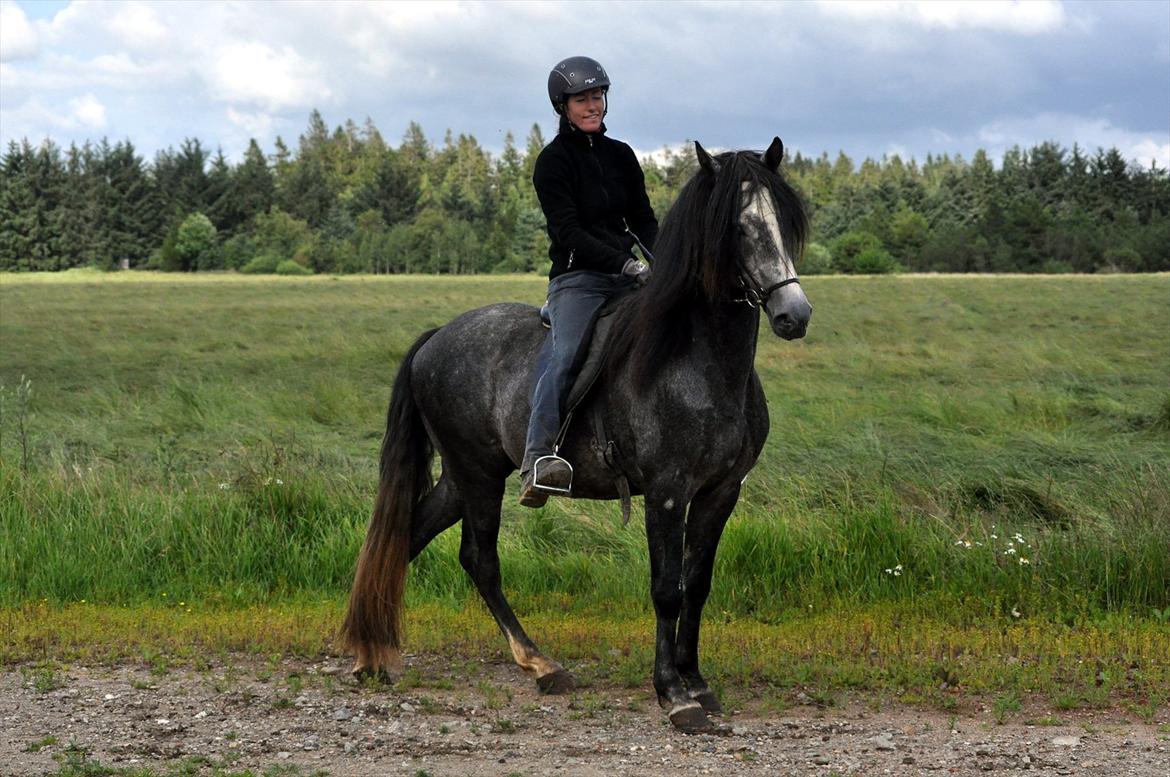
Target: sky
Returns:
[868, 78]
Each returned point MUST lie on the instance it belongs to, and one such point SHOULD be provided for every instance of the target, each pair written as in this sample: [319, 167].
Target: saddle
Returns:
[587, 368]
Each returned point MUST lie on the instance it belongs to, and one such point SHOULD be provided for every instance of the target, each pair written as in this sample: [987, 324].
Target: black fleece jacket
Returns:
[590, 186]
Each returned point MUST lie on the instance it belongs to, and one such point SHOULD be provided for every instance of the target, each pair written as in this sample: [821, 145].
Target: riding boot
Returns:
[555, 478]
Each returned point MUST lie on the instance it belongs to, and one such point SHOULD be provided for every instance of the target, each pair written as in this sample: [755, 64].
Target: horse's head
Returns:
[771, 228]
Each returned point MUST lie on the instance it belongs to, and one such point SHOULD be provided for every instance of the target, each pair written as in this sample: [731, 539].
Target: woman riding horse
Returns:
[679, 396]
[593, 194]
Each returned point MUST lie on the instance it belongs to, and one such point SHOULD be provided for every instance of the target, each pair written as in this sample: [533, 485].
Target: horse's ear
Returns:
[705, 160]
[773, 155]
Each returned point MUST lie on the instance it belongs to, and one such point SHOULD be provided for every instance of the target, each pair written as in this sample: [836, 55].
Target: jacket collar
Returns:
[570, 132]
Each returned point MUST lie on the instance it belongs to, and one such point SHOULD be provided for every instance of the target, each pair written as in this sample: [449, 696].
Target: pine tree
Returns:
[79, 208]
[16, 207]
[415, 149]
[125, 207]
[392, 190]
[219, 180]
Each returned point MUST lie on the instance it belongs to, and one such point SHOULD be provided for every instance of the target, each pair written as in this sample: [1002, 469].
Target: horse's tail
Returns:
[373, 622]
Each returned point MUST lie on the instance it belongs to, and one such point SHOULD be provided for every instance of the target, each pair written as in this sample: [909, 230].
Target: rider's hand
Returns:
[637, 268]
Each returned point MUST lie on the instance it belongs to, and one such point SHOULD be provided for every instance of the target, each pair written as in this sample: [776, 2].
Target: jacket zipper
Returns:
[600, 170]
[571, 252]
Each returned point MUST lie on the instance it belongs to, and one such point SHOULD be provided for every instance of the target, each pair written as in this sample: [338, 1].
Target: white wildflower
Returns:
[224, 486]
[1016, 613]
[1024, 561]
[1010, 552]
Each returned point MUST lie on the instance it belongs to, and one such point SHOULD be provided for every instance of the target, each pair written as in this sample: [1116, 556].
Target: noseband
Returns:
[753, 294]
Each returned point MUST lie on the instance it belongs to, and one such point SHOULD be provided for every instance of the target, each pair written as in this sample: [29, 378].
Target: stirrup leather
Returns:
[548, 489]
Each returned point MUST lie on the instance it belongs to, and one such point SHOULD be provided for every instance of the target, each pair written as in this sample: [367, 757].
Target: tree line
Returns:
[346, 201]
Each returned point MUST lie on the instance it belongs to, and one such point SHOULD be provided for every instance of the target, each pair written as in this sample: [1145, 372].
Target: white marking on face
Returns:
[668, 504]
[758, 208]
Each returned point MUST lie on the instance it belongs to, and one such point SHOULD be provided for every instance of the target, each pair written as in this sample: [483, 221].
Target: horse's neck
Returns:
[731, 331]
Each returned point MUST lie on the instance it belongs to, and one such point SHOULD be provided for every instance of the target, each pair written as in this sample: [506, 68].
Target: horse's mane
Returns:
[696, 259]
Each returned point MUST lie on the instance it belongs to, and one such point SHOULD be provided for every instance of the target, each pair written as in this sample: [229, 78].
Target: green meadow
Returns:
[966, 453]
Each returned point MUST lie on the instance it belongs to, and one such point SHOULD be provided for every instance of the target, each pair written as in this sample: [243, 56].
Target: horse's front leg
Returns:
[706, 518]
[665, 528]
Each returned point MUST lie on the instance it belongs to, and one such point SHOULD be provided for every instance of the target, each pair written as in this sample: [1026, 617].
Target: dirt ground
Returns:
[473, 718]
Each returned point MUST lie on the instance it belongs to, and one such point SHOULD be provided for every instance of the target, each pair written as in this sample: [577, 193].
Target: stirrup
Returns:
[549, 489]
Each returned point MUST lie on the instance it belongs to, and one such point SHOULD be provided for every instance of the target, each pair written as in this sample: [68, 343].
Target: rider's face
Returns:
[586, 109]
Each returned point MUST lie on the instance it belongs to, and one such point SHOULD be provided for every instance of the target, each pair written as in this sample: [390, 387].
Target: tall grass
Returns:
[99, 538]
[214, 439]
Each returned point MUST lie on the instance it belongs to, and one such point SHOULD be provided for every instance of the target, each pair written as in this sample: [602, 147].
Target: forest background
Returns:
[346, 201]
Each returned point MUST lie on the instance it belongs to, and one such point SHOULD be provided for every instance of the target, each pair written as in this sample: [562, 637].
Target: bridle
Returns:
[753, 294]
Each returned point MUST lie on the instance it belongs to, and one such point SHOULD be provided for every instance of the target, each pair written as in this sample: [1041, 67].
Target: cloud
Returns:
[1034, 17]
[18, 38]
[252, 73]
[34, 119]
[255, 124]
[1088, 132]
[868, 78]
[135, 25]
[87, 111]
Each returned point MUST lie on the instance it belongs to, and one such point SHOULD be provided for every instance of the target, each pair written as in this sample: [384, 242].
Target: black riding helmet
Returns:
[573, 76]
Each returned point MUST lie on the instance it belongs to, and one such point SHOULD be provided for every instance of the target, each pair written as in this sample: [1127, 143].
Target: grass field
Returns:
[971, 452]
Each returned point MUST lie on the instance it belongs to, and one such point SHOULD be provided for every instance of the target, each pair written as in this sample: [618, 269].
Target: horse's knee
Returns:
[667, 600]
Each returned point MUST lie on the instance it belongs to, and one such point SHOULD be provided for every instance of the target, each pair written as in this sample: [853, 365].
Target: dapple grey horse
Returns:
[679, 396]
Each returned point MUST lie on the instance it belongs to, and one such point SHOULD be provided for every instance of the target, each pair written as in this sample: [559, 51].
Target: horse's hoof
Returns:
[556, 683]
[709, 701]
[689, 718]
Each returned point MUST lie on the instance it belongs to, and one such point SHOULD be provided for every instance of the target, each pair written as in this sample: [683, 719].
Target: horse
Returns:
[678, 393]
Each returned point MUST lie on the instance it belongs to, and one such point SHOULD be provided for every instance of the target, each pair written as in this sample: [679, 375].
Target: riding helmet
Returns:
[573, 76]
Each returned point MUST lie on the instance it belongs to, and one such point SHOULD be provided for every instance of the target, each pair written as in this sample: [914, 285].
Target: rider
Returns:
[593, 194]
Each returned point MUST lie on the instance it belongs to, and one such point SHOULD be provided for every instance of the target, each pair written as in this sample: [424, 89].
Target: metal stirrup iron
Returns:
[553, 457]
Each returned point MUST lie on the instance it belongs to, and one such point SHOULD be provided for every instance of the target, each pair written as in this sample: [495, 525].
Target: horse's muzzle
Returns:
[789, 329]
[789, 315]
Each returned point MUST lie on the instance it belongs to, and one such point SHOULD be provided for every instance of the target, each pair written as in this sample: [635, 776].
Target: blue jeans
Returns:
[573, 300]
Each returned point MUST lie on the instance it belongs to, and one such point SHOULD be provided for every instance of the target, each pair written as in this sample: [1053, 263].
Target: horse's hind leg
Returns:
[705, 521]
[438, 511]
[478, 554]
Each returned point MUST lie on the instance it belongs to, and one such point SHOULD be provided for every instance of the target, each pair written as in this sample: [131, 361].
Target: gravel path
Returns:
[487, 719]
